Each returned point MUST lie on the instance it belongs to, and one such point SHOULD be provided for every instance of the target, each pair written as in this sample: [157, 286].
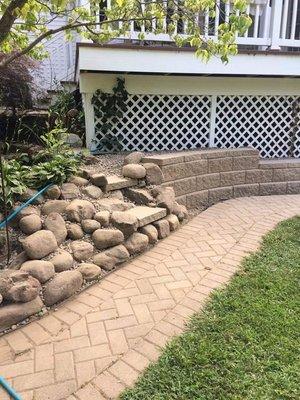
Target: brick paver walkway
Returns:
[95, 345]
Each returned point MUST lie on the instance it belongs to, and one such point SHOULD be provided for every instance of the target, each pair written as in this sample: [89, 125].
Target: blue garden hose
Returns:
[9, 389]
[17, 210]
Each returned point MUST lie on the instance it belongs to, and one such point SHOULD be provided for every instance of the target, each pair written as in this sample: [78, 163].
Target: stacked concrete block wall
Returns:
[205, 177]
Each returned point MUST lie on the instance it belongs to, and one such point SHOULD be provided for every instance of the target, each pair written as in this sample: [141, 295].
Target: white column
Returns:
[213, 114]
[89, 118]
[276, 18]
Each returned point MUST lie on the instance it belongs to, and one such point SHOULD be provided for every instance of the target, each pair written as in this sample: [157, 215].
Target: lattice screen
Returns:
[164, 122]
[161, 122]
[263, 122]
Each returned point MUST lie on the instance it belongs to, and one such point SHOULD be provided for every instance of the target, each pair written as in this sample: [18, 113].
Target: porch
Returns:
[275, 23]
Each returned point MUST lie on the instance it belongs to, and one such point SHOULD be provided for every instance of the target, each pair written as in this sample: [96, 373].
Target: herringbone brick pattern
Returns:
[96, 344]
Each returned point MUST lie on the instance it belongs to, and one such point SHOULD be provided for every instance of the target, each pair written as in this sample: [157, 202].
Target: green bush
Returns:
[53, 164]
[15, 176]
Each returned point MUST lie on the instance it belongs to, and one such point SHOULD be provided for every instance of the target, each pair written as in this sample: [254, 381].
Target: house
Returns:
[177, 102]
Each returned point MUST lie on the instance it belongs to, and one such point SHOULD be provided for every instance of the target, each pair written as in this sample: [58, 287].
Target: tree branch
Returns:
[9, 17]
[51, 32]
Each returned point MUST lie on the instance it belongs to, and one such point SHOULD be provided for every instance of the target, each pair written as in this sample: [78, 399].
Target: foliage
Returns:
[56, 162]
[16, 85]
[15, 175]
[109, 108]
[53, 164]
[67, 112]
[245, 343]
[18, 38]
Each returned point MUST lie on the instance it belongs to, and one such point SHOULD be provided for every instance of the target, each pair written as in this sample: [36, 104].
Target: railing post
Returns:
[276, 18]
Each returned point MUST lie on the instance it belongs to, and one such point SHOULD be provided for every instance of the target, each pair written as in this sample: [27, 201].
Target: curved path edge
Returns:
[97, 344]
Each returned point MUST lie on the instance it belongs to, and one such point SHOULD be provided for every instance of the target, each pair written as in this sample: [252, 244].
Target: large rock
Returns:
[12, 314]
[29, 210]
[173, 222]
[41, 270]
[116, 194]
[99, 180]
[119, 253]
[163, 228]
[133, 158]
[82, 251]
[30, 224]
[53, 192]
[90, 225]
[78, 181]
[58, 206]
[134, 171]
[103, 218]
[62, 286]
[180, 211]
[165, 198]
[104, 261]
[39, 244]
[78, 210]
[75, 232]
[28, 194]
[62, 261]
[18, 286]
[55, 223]
[104, 238]
[137, 243]
[22, 292]
[89, 272]
[69, 191]
[73, 140]
[154, 175]
[9, 277]
[93, 191]
[126, 223]
[139, 196]
[111, 204]
[151, 232]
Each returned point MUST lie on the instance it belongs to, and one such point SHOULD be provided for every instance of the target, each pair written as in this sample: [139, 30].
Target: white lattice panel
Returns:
[263, 122]
[161, 122]
[164, 122]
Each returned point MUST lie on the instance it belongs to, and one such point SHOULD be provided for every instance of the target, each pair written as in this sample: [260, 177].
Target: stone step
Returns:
[115, 182]
[145, 215]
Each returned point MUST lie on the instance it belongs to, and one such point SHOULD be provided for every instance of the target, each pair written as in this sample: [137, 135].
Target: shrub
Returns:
[15, 175]
[16, 83]
[53, 164]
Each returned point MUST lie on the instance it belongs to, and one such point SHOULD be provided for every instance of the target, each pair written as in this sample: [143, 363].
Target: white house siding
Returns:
[60, 63]
[185, 112]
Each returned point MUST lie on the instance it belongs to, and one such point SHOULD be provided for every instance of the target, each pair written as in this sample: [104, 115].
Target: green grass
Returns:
[245, 345]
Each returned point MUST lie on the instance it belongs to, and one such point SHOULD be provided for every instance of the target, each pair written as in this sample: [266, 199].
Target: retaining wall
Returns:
[205, 177]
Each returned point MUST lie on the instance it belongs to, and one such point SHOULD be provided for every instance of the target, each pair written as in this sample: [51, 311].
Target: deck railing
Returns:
[275, 23]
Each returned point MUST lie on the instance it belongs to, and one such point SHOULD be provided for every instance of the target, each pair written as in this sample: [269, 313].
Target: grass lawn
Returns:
[245, 345]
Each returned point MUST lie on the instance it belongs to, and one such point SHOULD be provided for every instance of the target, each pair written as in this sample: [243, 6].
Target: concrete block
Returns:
[219, 194]
[220, 165]
[266, 189]
[259, 176]
[197, 199]
[232, 178]
[246, 190]
[208, 181]
[293, 187]
[245, 162]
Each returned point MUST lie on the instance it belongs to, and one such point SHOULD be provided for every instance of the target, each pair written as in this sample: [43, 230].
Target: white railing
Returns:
[275, 23]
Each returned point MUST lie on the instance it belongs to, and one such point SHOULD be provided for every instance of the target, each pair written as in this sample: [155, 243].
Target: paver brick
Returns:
[111, 332]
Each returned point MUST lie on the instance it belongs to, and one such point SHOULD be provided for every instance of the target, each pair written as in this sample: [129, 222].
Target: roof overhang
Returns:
[127, 59]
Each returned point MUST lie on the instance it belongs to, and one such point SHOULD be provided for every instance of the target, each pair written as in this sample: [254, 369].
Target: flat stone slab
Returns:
[115, 182]
[145, 215]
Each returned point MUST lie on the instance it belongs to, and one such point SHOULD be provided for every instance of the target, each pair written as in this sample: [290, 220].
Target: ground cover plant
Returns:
[54, 163]
[245, 344]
